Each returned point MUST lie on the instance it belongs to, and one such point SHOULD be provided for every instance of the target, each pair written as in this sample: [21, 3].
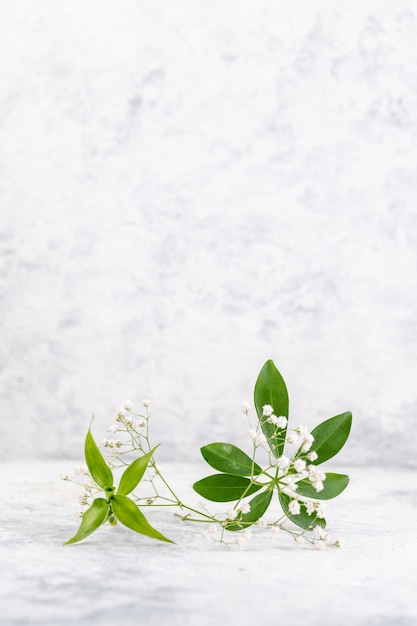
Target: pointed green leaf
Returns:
[99, 470]
[332, 487]
[258, 506]
[91, 520]
[128, 514]
[225, 487]
[227, 458]
[133, 474]
[270, 389]
[308, 522]
[330, 436]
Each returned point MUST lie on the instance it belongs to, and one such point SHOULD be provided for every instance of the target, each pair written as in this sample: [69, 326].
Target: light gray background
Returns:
[189, 188]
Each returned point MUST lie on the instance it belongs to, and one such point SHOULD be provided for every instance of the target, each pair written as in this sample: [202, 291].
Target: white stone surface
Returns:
[116, 576]
[190, 188]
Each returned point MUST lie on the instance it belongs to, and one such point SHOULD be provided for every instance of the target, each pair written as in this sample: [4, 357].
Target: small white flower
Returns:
[129, 421]
[247, 534]
[319, 545]
[272, 419]
[299, 465]
[281, 421]
[241, 540]
[319, 509]
[292, 439]
[231, 514]
[299, 539]
[126, 405]
[113, 428]
[141, 424]
[201, 504]
[261, 440]
[81, 471]
[262, 523]
[320, 533]
[339, 543]
[79, 514]
[245, 407]
[245, 507]
[318, 485]
[291, 484]
[283, 462]
[294, 507]
[118, 416]
[252, 433]
[267, 410]
[302, 430]
[88, 486]
[83, 498]
[309, 507]
[146, 402]
[308, 442]
[63, 477]
[105, 443]
[274, 530]
[312, 456]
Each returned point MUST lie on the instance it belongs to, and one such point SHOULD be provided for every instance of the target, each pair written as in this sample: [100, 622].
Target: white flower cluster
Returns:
[278, 421]
[111, 443]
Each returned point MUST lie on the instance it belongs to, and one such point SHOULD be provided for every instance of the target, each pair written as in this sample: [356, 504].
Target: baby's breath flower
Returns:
[283, 462]
[127, 405]
[281, 421]
[231, 514]
[245, 407]
[318, 485]
[319, 509]
[274, 530]
[272, 419]
[261, 440]
[308, 442]
[141, 424]
[302, 430]
[245, 507]
[81, 471]
[252, 433]
[146, 403]
[202, 504]
[309, 507]
[291, 484]
[319, 545]
[292, 439]
[267, 410]
[339, 543]
[104, 443]
[129, 421]
[113, 428]
[63, 477]
[83, 498]
[299, 539]
[299, 465]
[294, 507]
[320, 533]
[262, 523]
[312, 456]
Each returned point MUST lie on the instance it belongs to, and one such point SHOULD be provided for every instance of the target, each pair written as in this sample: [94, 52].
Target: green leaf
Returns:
[128, 514]
[308, 522]
[99, 470]
[258, 506]
[227, 458]
[133, 474]
[91, 520]
[332, 487]
[270, 389]
[225, 487]
[330, 436]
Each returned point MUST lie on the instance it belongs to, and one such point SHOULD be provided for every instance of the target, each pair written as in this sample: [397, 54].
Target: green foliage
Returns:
[119, 506]
[129, 514]
[330, 436]
[227, 458]
[332, 487]
[270, 389]
[99, 470]
[91, 520]
[133, 474]
[233, 485]
[258, 506]
[225, 487]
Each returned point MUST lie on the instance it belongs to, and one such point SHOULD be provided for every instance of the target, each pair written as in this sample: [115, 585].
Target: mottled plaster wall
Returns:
[188, 189]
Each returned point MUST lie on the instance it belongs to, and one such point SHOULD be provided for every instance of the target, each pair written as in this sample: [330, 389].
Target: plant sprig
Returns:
[296, 479]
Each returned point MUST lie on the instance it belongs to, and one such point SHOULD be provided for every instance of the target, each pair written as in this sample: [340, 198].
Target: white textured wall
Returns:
[188, 188]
